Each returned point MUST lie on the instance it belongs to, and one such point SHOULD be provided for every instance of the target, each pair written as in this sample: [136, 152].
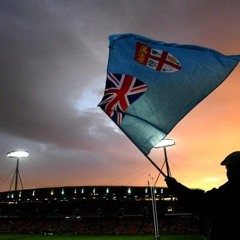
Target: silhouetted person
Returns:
[221, 205]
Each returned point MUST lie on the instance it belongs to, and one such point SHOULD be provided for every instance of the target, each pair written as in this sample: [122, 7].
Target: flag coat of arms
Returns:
[151, 85]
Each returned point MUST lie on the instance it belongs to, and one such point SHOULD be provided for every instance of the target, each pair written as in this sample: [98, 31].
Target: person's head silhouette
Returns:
[232, 163]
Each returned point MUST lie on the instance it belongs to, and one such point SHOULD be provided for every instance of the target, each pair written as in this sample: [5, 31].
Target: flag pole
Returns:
[156, 166]
[149, 159]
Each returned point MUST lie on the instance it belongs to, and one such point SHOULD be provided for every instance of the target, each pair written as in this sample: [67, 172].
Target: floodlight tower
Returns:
[17, 176]
[164, 144]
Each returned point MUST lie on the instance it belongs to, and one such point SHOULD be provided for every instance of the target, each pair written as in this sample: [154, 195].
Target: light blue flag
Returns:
[151, 85]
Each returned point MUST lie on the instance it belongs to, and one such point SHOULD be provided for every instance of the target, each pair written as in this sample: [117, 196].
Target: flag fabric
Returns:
[151, 85]
[121, 91]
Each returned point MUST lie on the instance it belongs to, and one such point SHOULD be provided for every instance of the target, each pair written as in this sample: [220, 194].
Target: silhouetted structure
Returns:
[92, 210]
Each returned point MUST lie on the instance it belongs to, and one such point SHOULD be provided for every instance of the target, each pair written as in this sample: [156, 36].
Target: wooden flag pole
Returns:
[156, 166]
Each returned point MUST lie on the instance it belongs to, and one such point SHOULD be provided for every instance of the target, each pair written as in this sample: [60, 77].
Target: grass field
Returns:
[95, 237]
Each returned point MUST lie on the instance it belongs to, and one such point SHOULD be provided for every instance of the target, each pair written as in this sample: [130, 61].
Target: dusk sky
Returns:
[53, 61]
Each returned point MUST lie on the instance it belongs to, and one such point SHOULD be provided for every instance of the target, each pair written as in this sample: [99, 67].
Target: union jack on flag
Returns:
[120, 92]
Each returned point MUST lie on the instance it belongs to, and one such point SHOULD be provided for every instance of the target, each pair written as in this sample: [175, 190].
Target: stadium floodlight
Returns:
[17, 154]
[164, 144]
[16, 176]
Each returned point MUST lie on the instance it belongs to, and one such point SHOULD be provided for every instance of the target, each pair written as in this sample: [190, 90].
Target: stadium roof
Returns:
[85, 192]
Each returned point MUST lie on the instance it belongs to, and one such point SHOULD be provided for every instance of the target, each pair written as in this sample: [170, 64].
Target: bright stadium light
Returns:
[165, 143]
[17, 155]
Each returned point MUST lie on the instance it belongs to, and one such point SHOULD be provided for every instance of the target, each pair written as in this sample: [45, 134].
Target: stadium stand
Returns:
[93, 210]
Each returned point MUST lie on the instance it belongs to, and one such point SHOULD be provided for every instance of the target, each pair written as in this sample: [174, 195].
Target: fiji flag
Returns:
[151, 85]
